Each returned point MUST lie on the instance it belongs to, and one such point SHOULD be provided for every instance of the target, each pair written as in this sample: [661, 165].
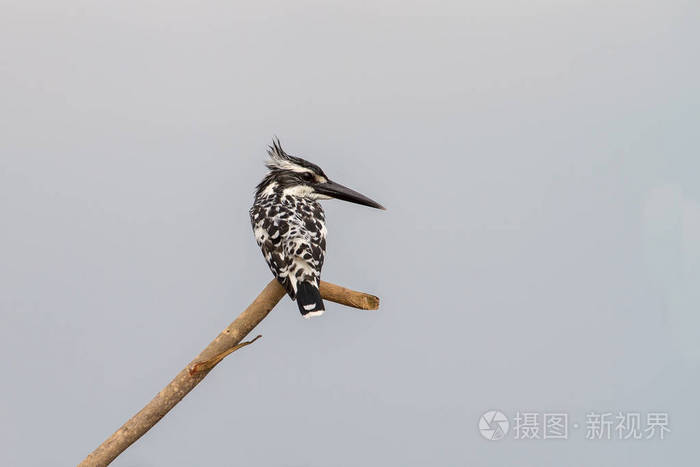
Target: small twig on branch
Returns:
[209, 364]
[228, 341]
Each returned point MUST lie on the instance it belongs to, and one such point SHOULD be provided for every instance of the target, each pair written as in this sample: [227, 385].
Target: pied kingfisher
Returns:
[290, 226]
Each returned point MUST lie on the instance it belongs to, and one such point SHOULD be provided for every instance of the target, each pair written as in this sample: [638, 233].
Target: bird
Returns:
[290, 226]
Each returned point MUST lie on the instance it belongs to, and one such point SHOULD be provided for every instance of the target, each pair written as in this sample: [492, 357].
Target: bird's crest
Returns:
[280, 160]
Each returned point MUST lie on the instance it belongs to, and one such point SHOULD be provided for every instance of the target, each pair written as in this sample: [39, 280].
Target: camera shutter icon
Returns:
[493, 425]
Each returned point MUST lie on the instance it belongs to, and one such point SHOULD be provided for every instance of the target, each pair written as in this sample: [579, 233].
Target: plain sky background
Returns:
[540, 252]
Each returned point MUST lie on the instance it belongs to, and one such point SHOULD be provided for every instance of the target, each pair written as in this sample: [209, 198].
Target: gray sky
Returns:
[540, 251]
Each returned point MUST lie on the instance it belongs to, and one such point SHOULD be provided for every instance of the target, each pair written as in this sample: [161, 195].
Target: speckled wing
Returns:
[292, 240]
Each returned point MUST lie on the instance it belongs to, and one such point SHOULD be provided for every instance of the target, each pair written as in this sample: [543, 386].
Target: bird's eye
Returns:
[308, 177]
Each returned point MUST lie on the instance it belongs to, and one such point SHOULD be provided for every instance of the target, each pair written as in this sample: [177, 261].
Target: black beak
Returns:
[338, 191]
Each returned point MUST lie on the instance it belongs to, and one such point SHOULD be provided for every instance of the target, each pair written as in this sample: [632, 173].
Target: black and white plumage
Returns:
[290, 225]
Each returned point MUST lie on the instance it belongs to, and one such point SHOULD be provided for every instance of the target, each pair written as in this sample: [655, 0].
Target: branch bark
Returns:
[225, 343]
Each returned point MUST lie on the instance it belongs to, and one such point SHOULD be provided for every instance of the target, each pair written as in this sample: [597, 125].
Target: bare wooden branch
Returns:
[338, 294]
[226, 342]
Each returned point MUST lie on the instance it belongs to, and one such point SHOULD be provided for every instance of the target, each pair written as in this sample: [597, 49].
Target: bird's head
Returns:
[294, 176]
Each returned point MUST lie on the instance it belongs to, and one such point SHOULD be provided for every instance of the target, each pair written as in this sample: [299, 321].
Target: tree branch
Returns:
[226, 342]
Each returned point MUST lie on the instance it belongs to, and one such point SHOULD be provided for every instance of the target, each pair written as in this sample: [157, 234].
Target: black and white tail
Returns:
[309, 300]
